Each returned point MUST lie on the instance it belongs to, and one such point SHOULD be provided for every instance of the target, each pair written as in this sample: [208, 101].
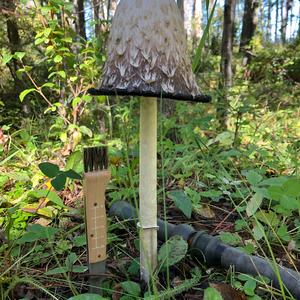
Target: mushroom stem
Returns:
[147, 188]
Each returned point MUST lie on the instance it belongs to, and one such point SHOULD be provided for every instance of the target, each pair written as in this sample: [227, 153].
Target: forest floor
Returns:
[43, 252]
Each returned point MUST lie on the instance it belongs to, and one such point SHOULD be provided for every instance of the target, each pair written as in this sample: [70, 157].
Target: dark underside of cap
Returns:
[136, 92]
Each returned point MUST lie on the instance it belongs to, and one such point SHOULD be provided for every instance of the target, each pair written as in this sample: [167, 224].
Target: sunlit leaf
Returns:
[254, 204]
[51, 196]
[25, 93]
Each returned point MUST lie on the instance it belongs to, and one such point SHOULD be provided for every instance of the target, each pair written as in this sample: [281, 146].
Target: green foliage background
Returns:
[250, 170]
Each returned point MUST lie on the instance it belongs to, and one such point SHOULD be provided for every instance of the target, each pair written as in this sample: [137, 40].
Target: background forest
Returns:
[230, 167]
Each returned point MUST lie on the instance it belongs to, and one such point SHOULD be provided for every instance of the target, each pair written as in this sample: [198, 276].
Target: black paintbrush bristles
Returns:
[95, 158]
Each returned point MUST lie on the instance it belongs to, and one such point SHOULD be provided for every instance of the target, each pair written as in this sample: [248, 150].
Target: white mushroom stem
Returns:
[147, 188]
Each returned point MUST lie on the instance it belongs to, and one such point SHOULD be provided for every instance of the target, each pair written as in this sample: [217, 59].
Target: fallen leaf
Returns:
[228, 292]
[205, 211]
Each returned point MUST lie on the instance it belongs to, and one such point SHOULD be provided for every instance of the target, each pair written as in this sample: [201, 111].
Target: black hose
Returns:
[209, 249]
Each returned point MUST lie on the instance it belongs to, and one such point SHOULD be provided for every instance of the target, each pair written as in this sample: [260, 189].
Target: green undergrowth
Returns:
[240, 184]
[249, 193]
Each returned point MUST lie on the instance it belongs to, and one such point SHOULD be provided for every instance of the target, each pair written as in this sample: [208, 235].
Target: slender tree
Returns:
[197, 20]
[299, 23]
[276, 20]
[250, 21]
[96, 17]
[80, 18]
[8, 10]
[226, 61]
[269, 25]
[283, 21]
[286, 6]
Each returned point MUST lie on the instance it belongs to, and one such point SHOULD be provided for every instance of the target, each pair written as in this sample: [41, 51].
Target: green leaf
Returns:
[57, 59]
[19, 55]
[39, 41]
[289, 203]
[86, 131]
[182, 202]
[47, 32]
[72, 174]
[267, 217]
[75, 101]
[56, 271]
[249, 287]
[51, 196]
[18, 176]
[25, 93]
[79, 269]
[254, 204]
[131, 288]
[7, 57]
[74, 162]
[59, 181]
[253, 177]
[275, 192]
[36, 232]
[172, 251]
[258, 231]
[87, 297]
[255, 297]
[283, 233]
[134, 267]
[292, 187]
[213, 194]
[212, 294]
[62, 74]
[80, 241]
[49, 169]
[70, 260]
[274, 181]
[48, 84]
[229, 238]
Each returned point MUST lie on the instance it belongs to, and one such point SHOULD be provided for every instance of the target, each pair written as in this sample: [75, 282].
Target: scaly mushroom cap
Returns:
[147, 53]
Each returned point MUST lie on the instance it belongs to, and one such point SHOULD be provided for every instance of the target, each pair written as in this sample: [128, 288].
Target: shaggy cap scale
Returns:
[147, 53]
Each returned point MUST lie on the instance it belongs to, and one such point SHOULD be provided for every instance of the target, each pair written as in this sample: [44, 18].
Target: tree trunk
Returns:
[180, 4]
[250, 21]
[276, 20]
[80, 18]
[269, 26]
[283, 21]
[226, 61]
[299, 23]
[96, 15]
[14, 41]
[285, 9]
[197, 20]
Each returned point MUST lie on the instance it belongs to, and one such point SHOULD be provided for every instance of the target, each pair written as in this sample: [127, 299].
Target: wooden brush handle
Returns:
[95, 184]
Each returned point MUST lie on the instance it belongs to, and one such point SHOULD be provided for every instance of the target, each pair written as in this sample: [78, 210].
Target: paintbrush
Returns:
[96, 178]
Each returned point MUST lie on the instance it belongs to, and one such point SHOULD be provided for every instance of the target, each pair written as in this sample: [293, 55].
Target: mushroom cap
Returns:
[147, 53]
